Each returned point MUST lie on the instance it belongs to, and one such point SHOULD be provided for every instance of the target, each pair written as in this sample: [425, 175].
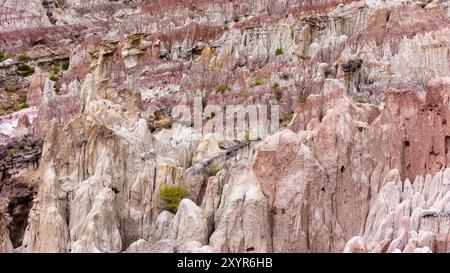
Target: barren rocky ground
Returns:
[354, 156]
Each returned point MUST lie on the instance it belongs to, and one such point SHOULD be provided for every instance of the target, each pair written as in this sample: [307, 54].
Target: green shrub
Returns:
[23, 58]
[223, 88]
[302, 98]
[2, 57]
[247, 136]
[361, 101]
[287, 117]
[21, 106]
[14, 151]
[65, 64]
[327, 70]
[226, 27]
[279, 51]
[54, 78]
[10, 106]
[256, 83]
[213, 170]
[55, 69]
[277, 90]
[25, 70]
[236, 18]
[172, 196]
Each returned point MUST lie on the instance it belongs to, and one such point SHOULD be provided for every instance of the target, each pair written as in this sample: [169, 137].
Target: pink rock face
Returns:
[417, 139]
[299, 197]
[60, 109]
[34, 93]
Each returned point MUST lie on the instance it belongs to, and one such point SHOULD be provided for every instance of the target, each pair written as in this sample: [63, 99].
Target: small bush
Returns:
[277, 91]
[302, 98]
[172, 196]
[247, 136]
[25, 70]
[2, 57]
[55, 70]
[236, 18]
[278, 51]
[223, 88]
[327, 70]
[65, 64]
[287, 117]
[285, 76]
[213, 170]
[54, 78]
[10, 106]
[256, 83]
[23, 58]
[361, 101]
[21, 106]
[226, 27]
[14, 151]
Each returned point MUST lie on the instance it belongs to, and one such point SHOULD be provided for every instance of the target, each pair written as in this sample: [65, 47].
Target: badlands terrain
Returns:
[350, 151]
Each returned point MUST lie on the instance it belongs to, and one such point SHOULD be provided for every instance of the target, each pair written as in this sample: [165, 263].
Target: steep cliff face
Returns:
[359, 163]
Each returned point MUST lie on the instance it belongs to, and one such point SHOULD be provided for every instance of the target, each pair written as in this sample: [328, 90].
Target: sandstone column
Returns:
[132, 53]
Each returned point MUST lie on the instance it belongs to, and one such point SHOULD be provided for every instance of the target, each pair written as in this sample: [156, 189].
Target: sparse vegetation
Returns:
[236, 18]
[172, 196]
[256, 83]
[61, 3]
[55, 69]
[226, 27]
[287, 117]
[352, 66]
[285, 76]
[23, 58]
[279, 51]
[223, 88]
[11, 106]
[277, 91]
[213, 170]
[302, 98]
[361, 101]
[247, 136]
[2, 57]
[54, 78]
[327, 70]
[14, 151]
[65, 64]
[25, 70]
